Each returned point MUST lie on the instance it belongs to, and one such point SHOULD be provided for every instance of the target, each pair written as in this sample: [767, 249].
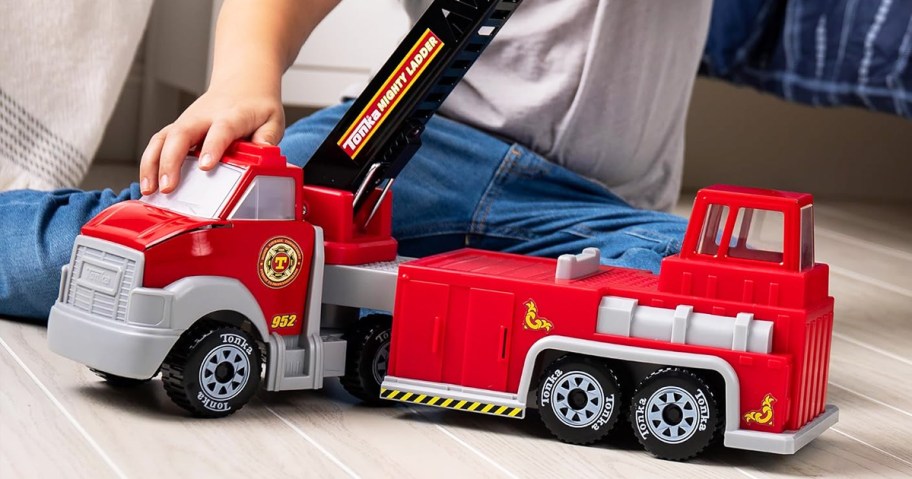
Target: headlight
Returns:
[149, 307]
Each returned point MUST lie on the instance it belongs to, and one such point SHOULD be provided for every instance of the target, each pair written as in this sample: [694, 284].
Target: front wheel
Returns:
[579, 399]
[212, 371]
[674, 414]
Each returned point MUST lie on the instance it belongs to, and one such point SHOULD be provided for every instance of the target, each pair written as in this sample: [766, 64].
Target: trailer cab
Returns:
[749, 245]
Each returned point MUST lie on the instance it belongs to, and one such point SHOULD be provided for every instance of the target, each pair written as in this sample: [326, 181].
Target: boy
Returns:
[592, 96]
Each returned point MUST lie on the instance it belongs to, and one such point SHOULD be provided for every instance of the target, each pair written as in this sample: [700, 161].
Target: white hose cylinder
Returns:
[625, 317]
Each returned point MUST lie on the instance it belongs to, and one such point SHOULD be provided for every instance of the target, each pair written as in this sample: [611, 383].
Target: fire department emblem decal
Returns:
[279, 262]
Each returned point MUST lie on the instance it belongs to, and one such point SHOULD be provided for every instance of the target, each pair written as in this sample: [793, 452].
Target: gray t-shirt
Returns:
[598, 86]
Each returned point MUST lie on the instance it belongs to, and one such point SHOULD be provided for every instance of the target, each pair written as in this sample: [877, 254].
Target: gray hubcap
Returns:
[380, 363]
[671, 415]
[578, 399]
[224, 372]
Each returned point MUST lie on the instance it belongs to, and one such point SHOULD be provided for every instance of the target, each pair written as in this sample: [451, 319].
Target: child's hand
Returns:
[244, 96]
[216, 119]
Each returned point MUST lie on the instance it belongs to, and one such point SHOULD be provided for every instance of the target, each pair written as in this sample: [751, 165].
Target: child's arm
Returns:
[255, 42]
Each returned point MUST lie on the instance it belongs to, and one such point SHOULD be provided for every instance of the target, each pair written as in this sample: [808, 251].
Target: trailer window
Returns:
[758, 235]
[267, 198]
[713, 229]
[807, 237]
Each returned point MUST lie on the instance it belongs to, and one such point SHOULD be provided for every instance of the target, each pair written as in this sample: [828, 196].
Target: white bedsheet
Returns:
[62, 67]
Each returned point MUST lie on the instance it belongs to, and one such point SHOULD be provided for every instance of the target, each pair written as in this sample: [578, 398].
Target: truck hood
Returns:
[139, 226]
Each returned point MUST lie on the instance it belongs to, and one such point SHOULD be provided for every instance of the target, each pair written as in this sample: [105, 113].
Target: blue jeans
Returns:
[463, 188]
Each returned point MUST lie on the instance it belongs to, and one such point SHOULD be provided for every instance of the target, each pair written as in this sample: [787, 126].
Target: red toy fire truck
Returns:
[257, 262]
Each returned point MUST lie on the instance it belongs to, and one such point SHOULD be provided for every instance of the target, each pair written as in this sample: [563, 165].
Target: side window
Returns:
[807, 237]
[758, 235]
[713, 229]
[267, 198]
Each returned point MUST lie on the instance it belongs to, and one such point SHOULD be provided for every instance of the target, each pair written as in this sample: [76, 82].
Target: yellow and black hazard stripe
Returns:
[450, 403]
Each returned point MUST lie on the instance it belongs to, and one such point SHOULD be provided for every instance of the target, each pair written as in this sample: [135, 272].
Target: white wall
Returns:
[736, 135]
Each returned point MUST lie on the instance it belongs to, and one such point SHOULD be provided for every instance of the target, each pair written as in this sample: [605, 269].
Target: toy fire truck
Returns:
[260, 263]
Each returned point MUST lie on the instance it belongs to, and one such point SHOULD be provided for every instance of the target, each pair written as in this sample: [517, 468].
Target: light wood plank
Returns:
[831, 455]
[36, 440]
[878, 427]
[148, 436]
[865, 265]
[373, 440]
[529, 449]
[873, 316]
[889, 223]
[858, 369]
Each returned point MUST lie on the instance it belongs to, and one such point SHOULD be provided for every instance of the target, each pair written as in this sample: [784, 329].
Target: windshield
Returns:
[200, 193]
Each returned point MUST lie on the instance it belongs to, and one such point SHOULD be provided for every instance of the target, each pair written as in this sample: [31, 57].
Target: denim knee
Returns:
[436, 194]
[536, 207]
[39, 229]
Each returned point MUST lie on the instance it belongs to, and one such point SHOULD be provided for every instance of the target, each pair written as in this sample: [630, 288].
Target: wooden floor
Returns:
[58, 420]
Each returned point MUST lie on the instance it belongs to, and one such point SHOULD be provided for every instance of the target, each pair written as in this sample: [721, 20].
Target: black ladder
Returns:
[382, 130]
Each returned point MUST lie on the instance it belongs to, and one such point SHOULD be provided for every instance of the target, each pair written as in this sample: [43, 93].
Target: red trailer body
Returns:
[461, 319]
[477, 322]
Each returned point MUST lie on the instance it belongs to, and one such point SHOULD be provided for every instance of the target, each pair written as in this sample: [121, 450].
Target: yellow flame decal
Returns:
[533, 321]
[764, 415]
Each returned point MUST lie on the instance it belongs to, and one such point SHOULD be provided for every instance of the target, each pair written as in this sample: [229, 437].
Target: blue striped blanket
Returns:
[817, 52]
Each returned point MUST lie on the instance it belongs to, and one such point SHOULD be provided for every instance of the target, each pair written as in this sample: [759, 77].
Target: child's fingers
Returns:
[148, 165]
[219, 137]
[271, 131]
[181, 136]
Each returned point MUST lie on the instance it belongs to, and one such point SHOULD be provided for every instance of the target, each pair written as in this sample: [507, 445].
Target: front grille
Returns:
[102, 301]
[814, 371]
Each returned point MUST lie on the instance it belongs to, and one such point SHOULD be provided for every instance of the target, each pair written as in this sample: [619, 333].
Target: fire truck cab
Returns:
[731, 338]
[227, 270]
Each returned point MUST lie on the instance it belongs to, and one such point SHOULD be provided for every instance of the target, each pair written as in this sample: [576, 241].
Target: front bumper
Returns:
[788, 442]
[114, 347]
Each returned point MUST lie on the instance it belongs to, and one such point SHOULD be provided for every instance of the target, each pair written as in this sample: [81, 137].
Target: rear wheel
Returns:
[213, 370]
[674, 414]
[579, 399]
[367, 357]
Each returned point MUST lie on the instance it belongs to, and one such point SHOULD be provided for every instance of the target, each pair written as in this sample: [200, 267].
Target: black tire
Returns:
[116, 381]
[213, 370]
[366, 357]
[674, 414]
[579, 399]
